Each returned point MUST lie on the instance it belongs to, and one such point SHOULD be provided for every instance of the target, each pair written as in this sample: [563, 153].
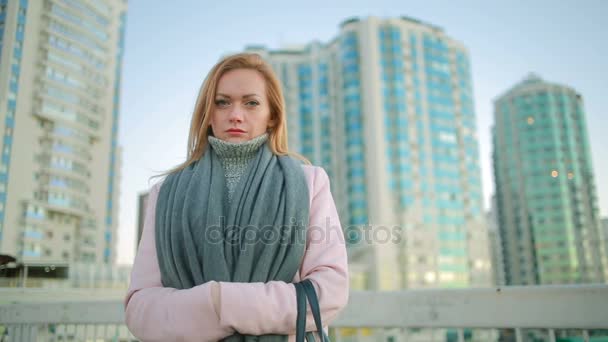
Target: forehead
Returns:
[242, 81]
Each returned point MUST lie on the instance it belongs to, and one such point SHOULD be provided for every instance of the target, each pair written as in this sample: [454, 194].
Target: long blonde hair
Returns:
[201, 117]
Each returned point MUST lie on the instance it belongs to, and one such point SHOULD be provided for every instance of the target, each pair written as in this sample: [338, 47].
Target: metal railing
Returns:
[533, 313]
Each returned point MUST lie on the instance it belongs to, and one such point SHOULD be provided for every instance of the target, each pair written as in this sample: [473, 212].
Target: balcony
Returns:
[534, 313]
[69, 121]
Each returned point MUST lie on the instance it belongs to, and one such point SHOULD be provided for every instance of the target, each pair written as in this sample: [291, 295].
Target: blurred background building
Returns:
[545, 187]
[60, 72]
[386, 107]
[498, 269]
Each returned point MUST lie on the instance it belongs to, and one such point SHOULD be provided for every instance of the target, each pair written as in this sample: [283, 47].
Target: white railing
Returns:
[84, 315]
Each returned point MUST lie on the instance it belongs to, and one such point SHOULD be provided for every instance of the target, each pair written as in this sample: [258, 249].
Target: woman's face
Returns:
[241, 109]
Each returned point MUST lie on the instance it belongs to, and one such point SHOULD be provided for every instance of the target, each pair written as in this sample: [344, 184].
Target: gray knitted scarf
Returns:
[258, 237]
[235, 157]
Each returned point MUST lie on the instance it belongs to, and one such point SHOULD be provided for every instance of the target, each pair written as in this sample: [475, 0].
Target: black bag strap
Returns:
[311, 293]
[301, 317]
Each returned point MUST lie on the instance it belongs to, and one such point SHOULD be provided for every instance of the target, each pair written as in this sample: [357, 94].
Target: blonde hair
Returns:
[201, 117]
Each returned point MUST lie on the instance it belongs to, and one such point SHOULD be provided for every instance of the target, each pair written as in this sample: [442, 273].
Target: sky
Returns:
[170, 47]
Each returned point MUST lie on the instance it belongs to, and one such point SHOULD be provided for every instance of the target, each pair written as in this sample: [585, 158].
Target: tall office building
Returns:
[545, 189]
[60, 68]
[386, 108]
[495, 245]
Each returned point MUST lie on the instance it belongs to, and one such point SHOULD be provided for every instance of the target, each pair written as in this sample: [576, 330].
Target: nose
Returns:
[236, 114]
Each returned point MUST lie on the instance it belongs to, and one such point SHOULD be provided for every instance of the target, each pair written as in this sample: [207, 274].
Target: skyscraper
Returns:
[60, 68]
[495, 245]
[386, 108]
[547, 203]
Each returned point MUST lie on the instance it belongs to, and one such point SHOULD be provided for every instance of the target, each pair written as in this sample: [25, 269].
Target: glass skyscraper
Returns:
[60, 68]
[546, 198]
[386, 107]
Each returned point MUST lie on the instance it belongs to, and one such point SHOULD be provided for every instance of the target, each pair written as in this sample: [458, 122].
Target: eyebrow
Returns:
[244, 96]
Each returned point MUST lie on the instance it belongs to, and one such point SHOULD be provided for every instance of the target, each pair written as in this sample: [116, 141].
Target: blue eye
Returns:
[253, 103]
[221, 103]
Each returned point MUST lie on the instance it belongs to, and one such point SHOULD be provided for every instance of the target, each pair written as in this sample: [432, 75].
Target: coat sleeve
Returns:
[270, 308]
[157, 313]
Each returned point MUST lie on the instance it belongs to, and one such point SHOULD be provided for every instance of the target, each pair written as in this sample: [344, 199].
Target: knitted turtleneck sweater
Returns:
[235, 158]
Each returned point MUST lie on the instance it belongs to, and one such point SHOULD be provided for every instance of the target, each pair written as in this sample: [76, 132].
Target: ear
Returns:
[271, 123]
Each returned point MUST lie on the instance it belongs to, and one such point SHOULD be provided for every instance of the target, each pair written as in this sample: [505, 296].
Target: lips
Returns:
[235, 130]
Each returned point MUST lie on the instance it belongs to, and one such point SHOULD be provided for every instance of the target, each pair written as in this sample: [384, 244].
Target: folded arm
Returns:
[212, 311]
[271, 308]
[157, 313]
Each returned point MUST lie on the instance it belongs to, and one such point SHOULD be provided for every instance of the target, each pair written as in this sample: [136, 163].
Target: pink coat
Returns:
[156, 313]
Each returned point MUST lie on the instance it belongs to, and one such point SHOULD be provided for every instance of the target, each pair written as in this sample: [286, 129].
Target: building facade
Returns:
[60, 68]
[386, 107]
[546, 197]
[498, 269]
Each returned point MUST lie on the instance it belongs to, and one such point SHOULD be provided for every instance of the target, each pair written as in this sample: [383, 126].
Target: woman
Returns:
[229, 232]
